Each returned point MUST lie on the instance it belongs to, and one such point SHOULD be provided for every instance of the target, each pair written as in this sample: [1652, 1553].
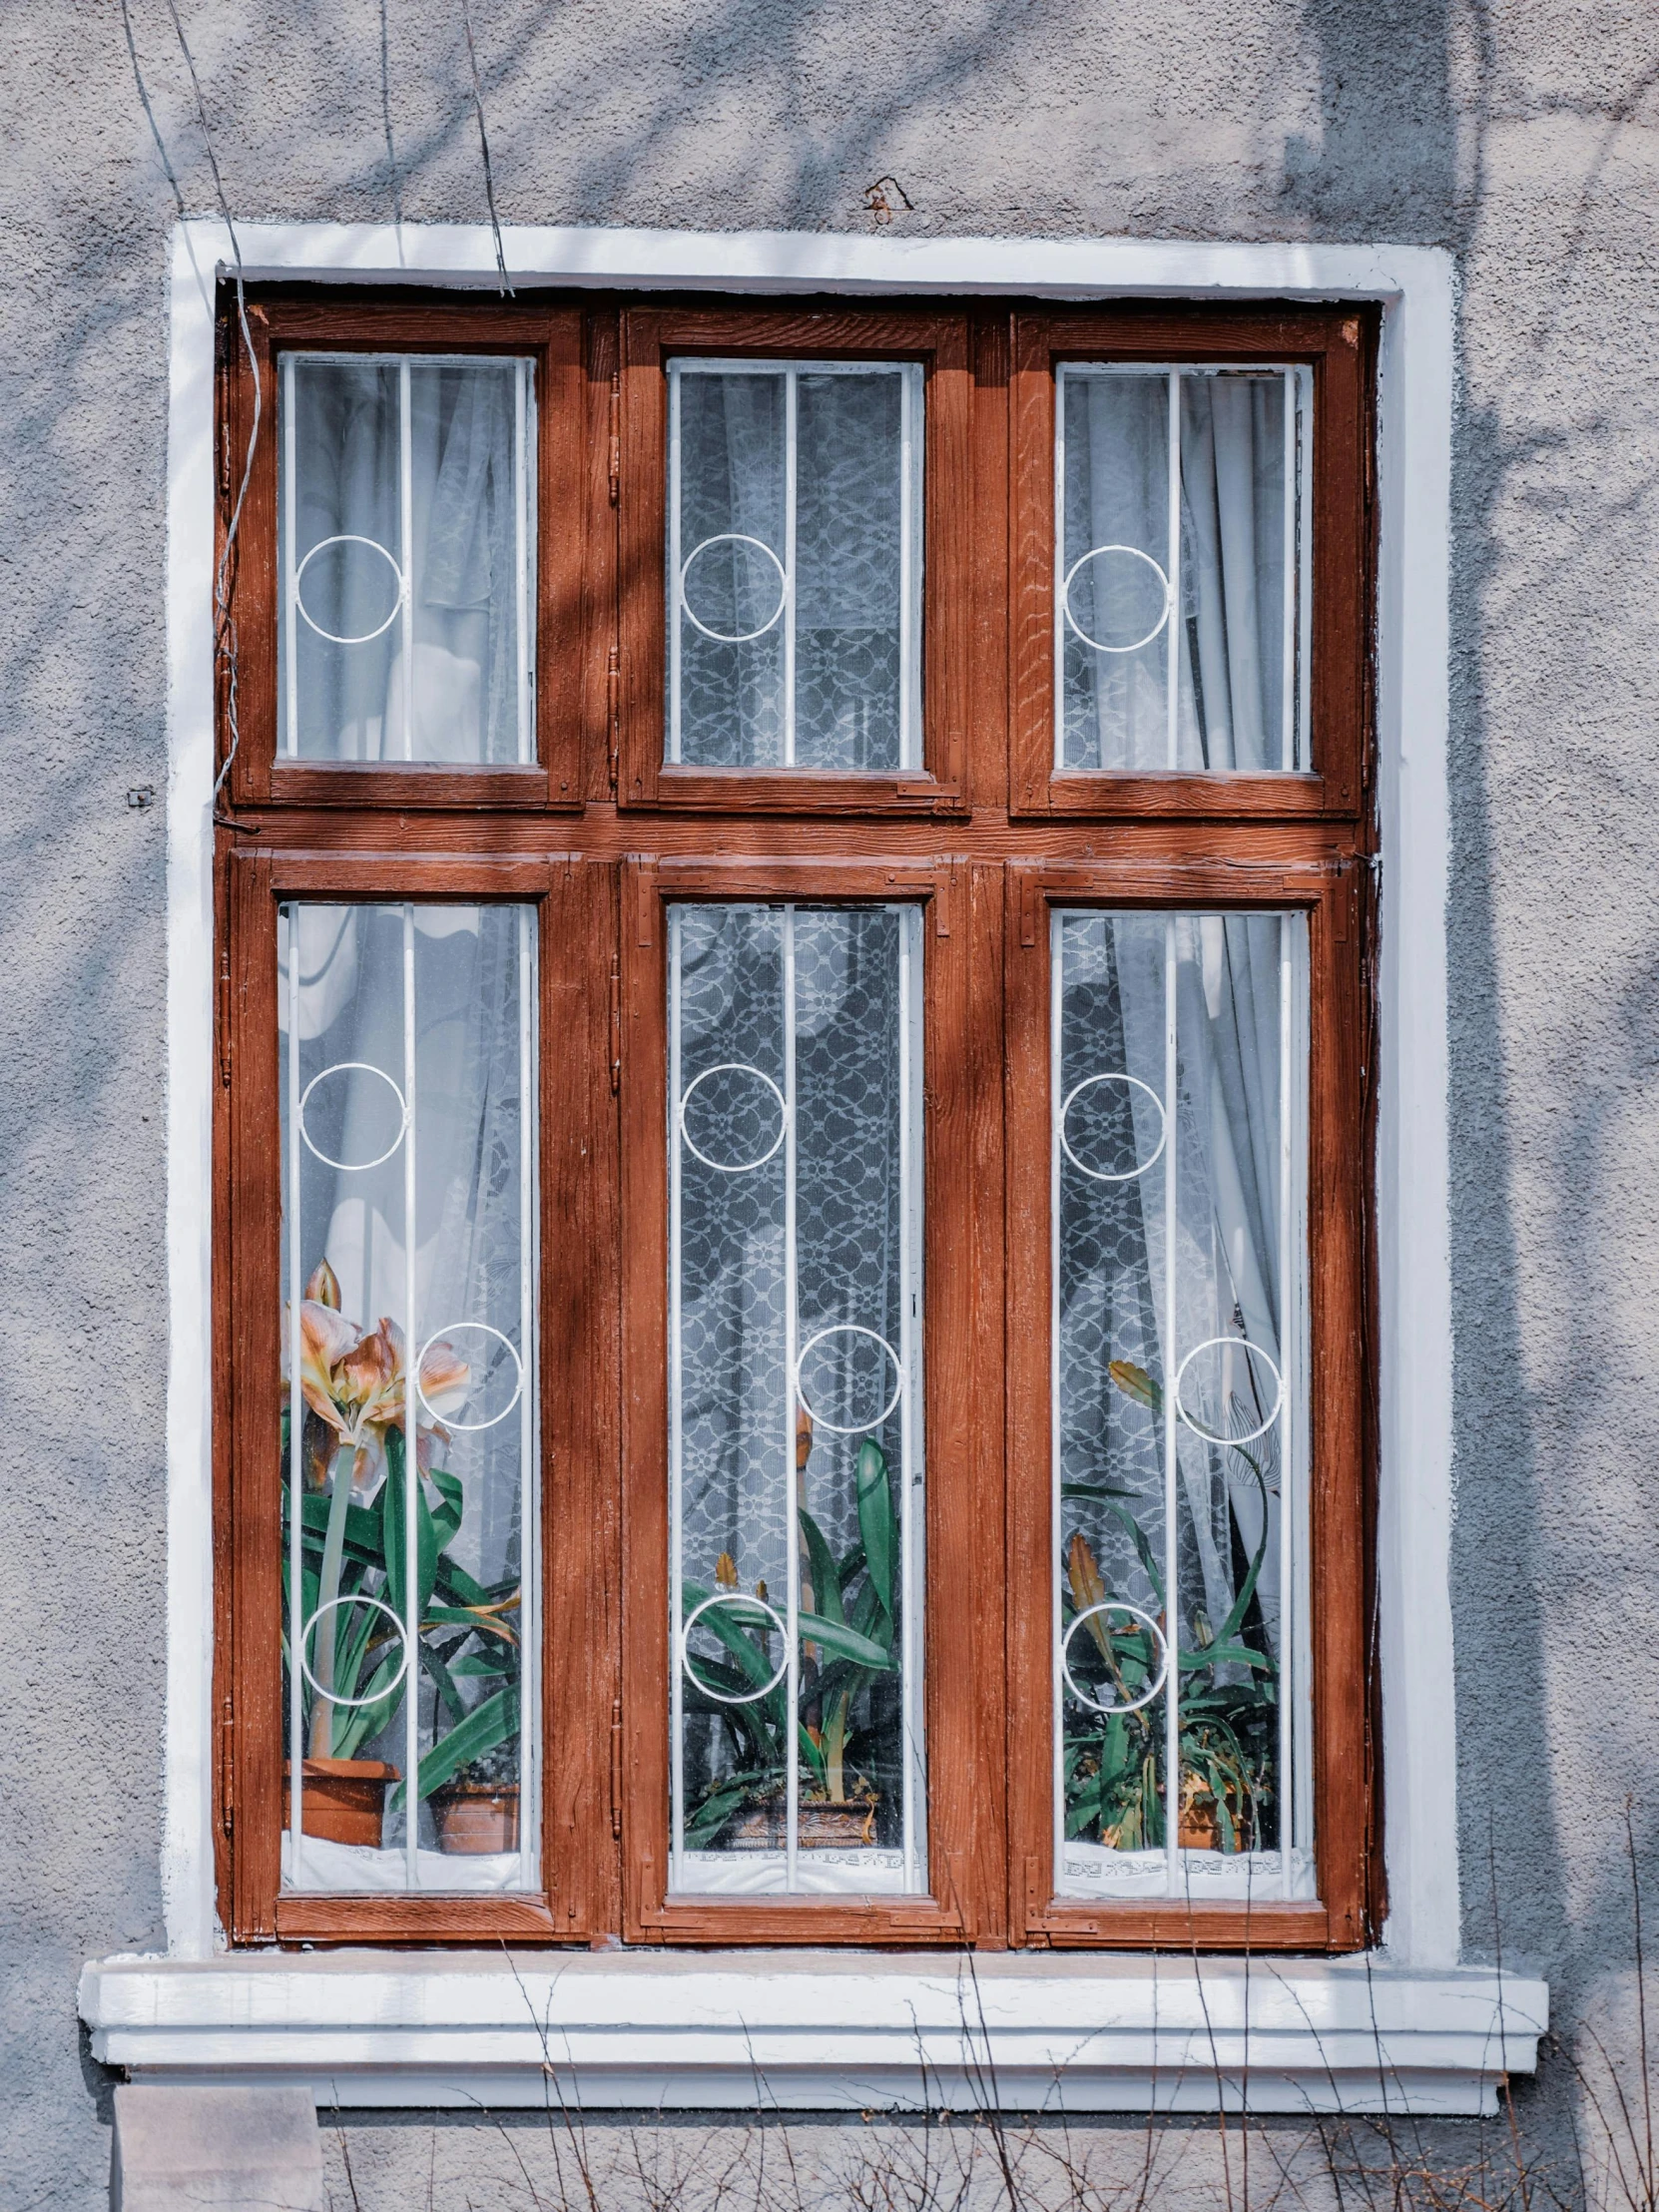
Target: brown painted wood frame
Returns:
[599, 876]
[573, 907]
[280, 321]
[963, 1609]
[1338, 345]
[1328, 890]
[798, 331]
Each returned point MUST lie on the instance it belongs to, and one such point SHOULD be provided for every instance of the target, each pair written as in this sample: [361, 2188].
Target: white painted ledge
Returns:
[851, 2032]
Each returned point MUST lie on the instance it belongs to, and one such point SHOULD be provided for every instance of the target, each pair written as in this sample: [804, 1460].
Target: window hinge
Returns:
[226, 1770]
[616, 1768]
[613, 708]
[616, 437]
[224, 1023]
[615, 1035]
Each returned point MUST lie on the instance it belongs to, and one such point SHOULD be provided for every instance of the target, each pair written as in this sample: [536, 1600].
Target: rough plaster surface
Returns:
[1522, 133]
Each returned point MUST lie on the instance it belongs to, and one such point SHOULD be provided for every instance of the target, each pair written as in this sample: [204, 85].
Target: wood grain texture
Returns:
[986, 839]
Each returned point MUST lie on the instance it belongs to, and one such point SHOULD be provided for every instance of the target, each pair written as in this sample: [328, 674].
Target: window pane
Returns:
[794, 1401]
[408, 1221]
[407, 534]
[794, 566]
[1180, 1404]
[1230, 565]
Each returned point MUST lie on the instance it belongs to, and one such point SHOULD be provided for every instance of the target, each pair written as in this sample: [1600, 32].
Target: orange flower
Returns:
[355, 1384]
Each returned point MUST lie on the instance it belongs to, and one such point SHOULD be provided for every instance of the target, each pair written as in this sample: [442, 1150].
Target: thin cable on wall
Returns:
[503, 280]
[224, 626]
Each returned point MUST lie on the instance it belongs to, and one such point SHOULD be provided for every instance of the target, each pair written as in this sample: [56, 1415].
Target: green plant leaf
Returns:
[877, 1523]
[485, 1728]
[843, 1643]
[447, 1518]
[827, 1582]
[392, 1505]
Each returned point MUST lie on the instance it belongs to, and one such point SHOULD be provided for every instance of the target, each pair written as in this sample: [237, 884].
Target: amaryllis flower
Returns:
[354, 1384]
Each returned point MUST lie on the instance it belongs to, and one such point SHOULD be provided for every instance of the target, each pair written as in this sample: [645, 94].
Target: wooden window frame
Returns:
[261, 774]
[651, 336]
[600, 839]
[1337, 345]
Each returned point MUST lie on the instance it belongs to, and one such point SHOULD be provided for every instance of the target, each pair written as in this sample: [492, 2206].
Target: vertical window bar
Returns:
[1172, 622]
[792, 1332]
[1172, 1362]
[791, 418]
[1058, 621]
[909, 749]
[529, 1692]
[521, 539]
[1303, 379]
[291, 636]
[1056, 1065]
[907, 1317]
[296, 1425]
[1288, 683]
[674, 587]
[405, 501]
[676, 1442]
[411, 1453]
[1288, 1367]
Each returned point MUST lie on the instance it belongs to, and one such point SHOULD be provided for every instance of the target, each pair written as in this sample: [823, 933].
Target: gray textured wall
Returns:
[1525, 135]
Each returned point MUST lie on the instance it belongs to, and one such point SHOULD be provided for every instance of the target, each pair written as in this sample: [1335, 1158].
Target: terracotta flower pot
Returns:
[345, 1800]
[846, 1827]
[476, 1817]
[1200, 1828]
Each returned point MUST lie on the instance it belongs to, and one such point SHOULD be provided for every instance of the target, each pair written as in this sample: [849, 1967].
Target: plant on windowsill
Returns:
[1228, 1695]
[353, 1565]
[848, 1629]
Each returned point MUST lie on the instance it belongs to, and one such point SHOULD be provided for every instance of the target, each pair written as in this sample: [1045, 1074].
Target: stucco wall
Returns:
[1524, 135]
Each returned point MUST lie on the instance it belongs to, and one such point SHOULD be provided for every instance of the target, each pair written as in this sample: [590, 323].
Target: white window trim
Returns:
[201, 2008]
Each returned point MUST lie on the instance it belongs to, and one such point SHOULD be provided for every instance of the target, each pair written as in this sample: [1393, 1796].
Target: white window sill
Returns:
[857, 2030]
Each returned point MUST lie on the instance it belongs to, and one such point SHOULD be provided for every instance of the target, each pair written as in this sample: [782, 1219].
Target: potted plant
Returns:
[354, 1547]
[848, 1629]
[1227, 1696]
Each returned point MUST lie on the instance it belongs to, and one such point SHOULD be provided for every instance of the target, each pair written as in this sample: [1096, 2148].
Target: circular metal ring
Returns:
[1094, 645]
[354, 1167]
[738, 637]
[1116, 1605]
[377, 1605]
[349, 537]
[849, 1329]
[1253, 1351]
[732, 1597]
[741, 1167]
[1100, 1174]
[470, 1427]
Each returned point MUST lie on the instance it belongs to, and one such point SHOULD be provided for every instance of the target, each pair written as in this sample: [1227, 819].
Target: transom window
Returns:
[793, 1197]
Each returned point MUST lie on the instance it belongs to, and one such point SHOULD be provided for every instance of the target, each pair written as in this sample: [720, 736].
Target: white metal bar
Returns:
[405, 501]
[411, 1453]
[521, 531]
[297, 1429]
[1056, 1077]
[675, 1436]
[529, 1519]
[909, 747]
[1173, 624]
[1303, 558]
[1287, 682]
[791, 419]
[674, 557]
[1060, 551]
[1290, 1373]
[909, 1584]
[291, 613]
[792, 1331]
[1172, 1362]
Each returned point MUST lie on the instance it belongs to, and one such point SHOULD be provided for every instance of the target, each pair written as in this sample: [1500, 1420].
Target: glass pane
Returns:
[407, 537]
[1232, 573]
[794, 566]
[794, 1400]
[408, 1221]
[1180, 1463]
